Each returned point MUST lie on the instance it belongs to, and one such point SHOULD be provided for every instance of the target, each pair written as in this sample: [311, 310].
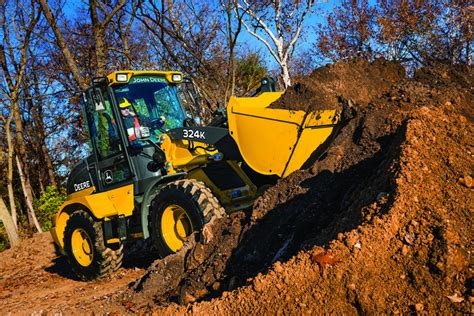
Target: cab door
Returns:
[111, 164]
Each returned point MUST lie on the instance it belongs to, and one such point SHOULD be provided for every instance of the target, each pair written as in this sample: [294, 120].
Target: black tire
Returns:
[103, 260]
[194, 198]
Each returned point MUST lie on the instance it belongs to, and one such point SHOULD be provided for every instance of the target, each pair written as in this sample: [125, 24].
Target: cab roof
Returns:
[169, 75]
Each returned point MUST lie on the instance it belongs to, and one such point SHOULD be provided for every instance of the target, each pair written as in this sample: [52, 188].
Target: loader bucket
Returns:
[278, 141]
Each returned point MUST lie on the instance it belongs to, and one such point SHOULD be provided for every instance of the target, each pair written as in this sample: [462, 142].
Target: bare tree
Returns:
[452, 37]
[99, 26]
[185, 35]
[11, 195]
[17, 31]
[29, 202]
[101, 16]
[126, 46]
[233, 19]
[62, 43]
[10, 227]
[406, 28]
[348, 31]
[278, 25]
[35, 101]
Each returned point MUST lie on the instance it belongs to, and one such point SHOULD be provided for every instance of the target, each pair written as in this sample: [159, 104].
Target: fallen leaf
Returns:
[128, 304]
[326, 258]
[455, 298]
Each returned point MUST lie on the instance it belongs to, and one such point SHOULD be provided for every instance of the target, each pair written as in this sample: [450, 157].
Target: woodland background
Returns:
[50, 51]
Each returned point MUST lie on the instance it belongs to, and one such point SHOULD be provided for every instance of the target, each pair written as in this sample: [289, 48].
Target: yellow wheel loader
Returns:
[154, 172]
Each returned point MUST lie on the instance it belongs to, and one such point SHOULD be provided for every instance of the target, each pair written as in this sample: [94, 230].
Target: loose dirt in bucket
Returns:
[382, 223]
[359, 81]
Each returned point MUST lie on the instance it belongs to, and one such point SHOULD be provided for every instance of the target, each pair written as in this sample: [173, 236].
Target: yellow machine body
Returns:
[180, 158]
[112, 78]
[273, 142]
[276, 141]
[116, 202]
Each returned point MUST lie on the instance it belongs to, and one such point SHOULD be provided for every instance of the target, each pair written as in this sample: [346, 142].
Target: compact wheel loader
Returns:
[153, 172]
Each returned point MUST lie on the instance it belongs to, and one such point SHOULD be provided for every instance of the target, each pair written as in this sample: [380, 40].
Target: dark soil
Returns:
[358, 81]
[195, 270]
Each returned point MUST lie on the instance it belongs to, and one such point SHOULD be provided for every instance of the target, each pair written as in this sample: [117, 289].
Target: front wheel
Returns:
[85, 248]
[179, 209]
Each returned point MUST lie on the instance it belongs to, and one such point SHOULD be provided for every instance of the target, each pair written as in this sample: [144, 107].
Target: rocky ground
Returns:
[381, 223]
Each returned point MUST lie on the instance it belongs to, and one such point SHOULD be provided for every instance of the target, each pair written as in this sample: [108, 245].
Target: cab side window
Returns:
[102, 125]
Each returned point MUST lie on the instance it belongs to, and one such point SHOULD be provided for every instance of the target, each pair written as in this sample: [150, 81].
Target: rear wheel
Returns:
[179, 209]
[85, 248]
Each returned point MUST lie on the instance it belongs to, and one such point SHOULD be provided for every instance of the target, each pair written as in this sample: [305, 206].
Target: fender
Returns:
[150, 193]
[110, 203]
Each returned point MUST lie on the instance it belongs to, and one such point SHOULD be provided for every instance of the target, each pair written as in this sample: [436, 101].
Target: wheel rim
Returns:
[176, 226]
[81, 245]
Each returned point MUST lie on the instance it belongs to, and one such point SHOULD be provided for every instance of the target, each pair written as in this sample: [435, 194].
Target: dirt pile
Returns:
[441, 75]
[381, 223]
[358, 80]
[195, 270]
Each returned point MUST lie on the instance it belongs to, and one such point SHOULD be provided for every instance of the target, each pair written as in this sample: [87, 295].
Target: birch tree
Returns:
[278, 25]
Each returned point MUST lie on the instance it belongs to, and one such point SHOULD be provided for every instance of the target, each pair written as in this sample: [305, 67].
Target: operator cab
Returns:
[126, 112]
[149, 105]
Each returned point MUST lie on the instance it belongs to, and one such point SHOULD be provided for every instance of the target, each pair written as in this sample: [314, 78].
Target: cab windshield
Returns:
[149, 102]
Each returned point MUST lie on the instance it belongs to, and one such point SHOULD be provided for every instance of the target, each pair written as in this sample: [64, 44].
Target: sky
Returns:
[246, 40]
[307, 39]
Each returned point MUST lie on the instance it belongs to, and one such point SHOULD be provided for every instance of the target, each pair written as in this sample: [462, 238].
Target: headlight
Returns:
[121, 77]
[177, 77]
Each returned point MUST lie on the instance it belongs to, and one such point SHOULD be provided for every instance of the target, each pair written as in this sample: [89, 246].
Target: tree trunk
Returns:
[61, 41]
[98, 29]
[230, 85]
[11, 195]
[48, 164]
[41, 139]
[21, 152]
[126, 52]
[100, 52]
[468, 53]
[285, 75]
[29, 201]
[10, 227]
